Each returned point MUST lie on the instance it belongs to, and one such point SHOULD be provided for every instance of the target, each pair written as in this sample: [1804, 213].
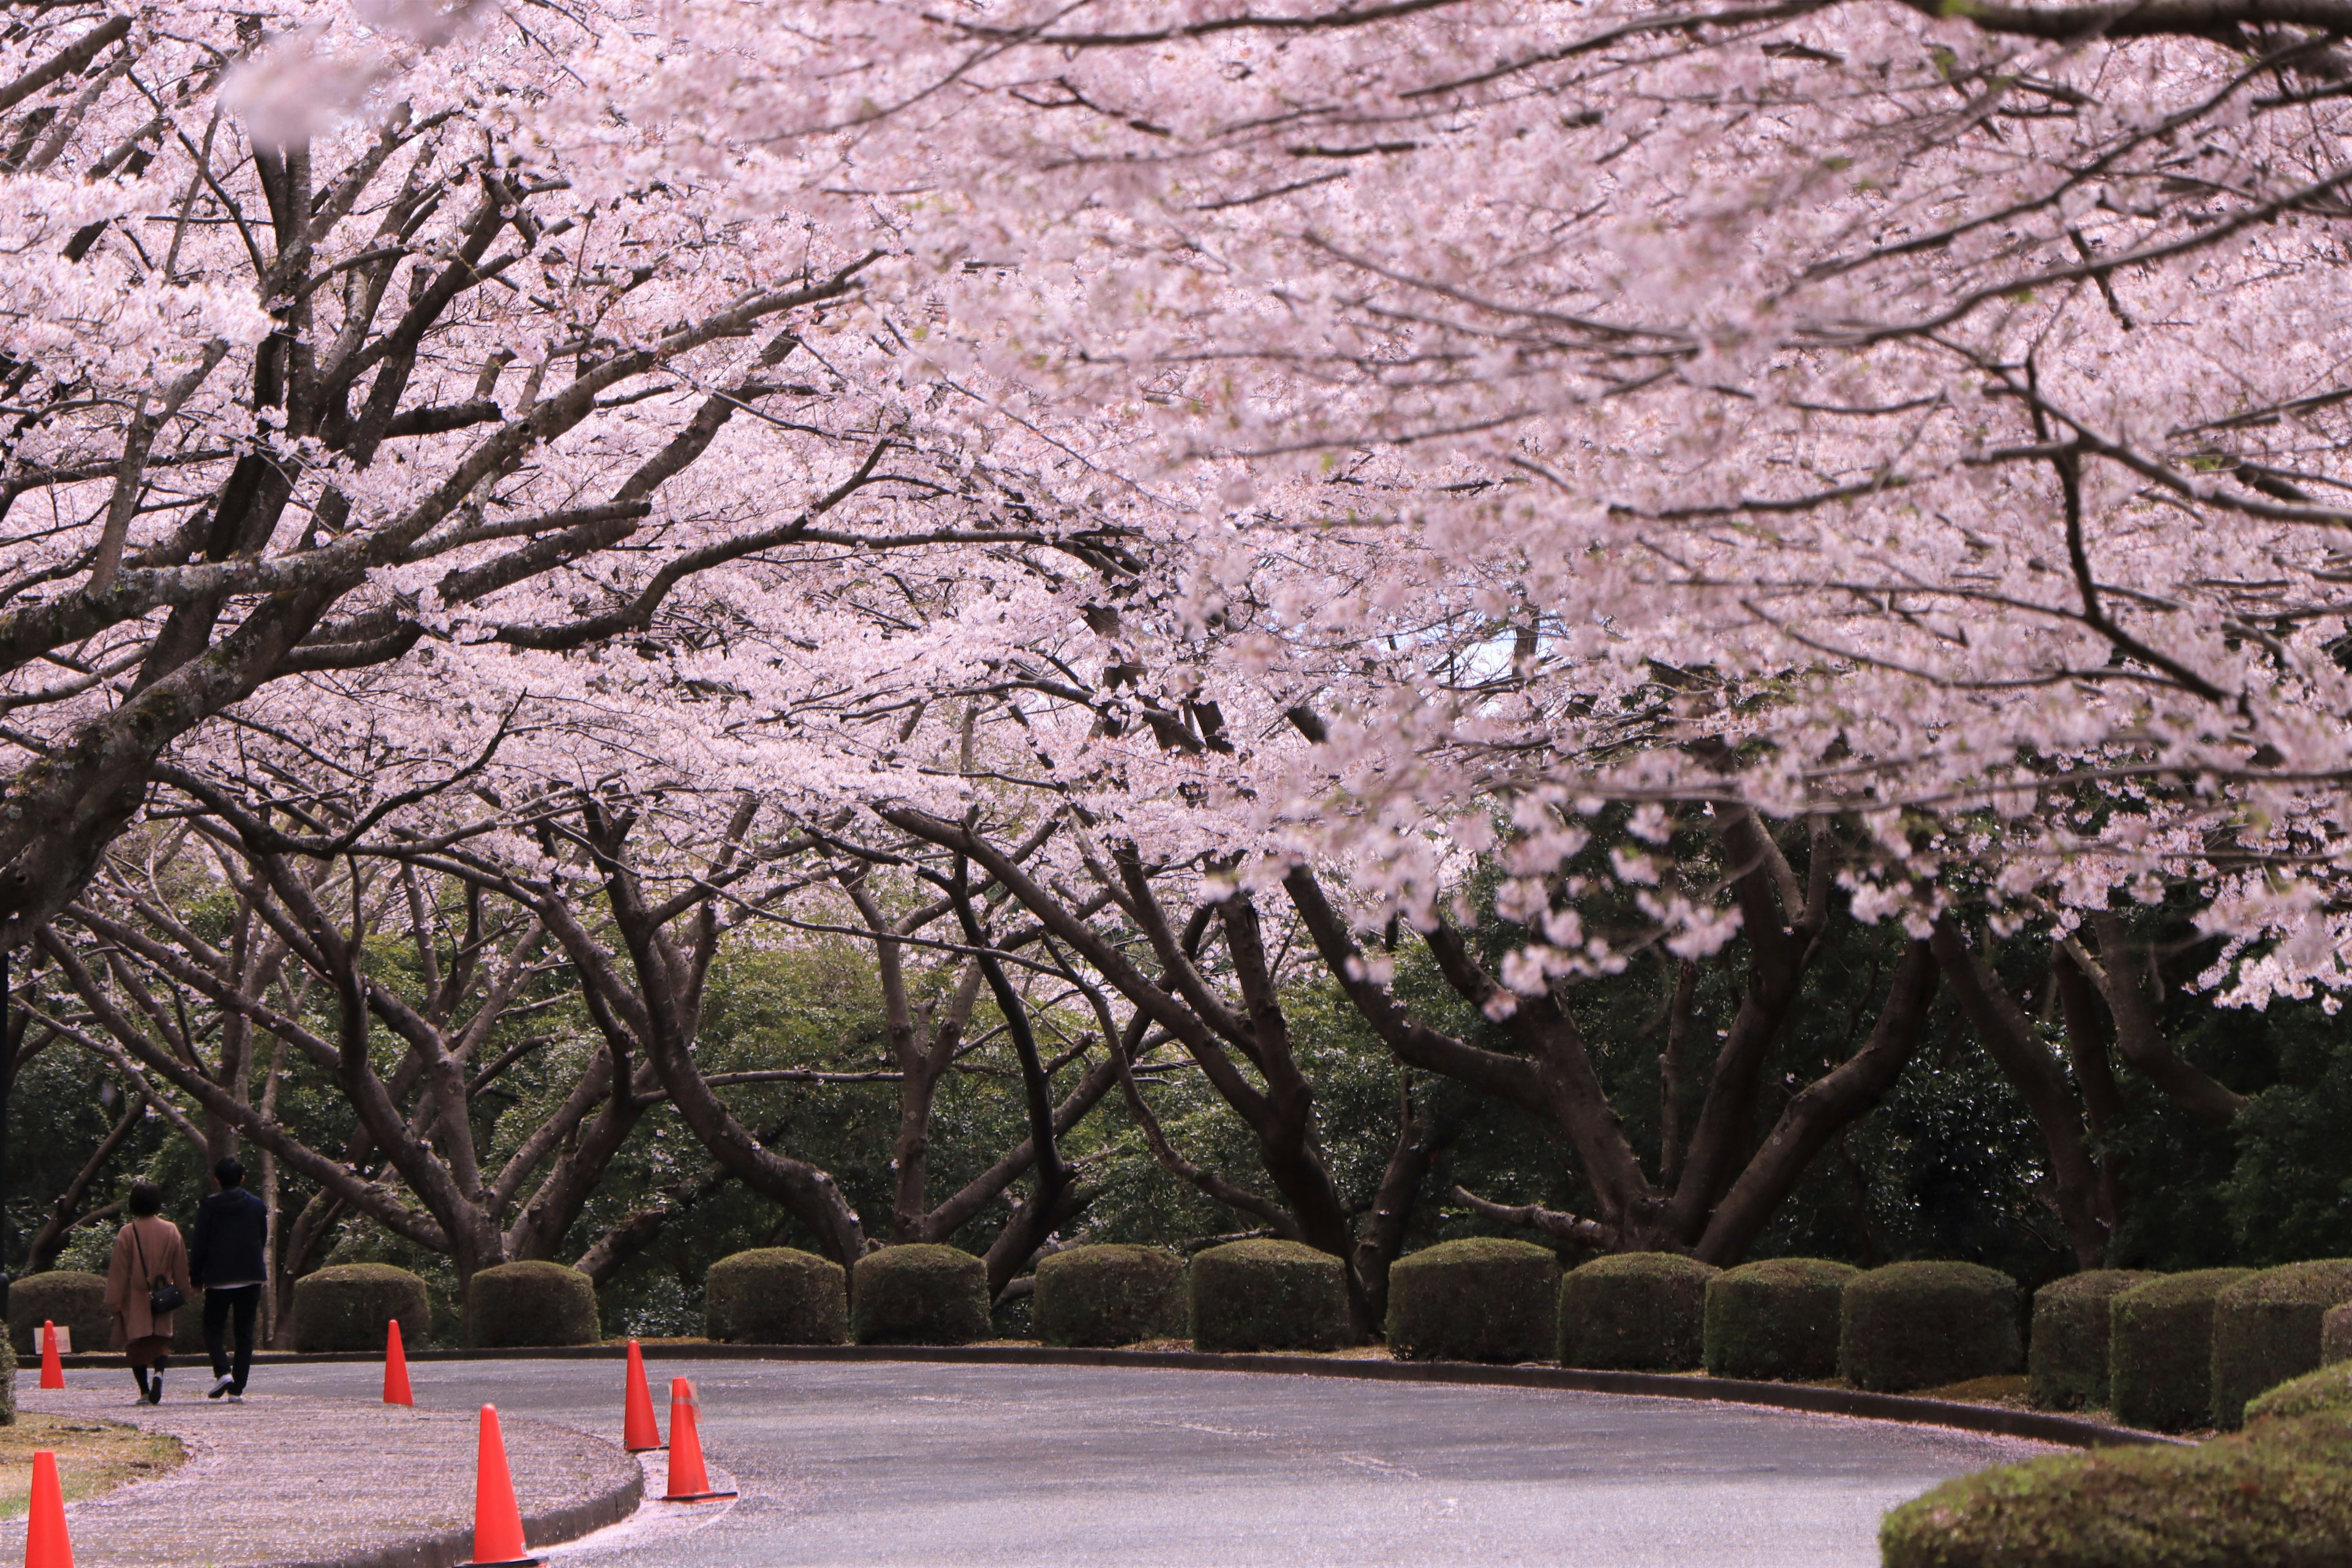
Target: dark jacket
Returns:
[231, 1245]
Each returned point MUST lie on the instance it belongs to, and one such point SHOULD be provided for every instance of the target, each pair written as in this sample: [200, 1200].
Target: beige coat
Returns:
[126, 1287]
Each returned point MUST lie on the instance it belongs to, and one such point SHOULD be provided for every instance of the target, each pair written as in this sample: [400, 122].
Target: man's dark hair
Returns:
[146, 1198]
[229, 1173]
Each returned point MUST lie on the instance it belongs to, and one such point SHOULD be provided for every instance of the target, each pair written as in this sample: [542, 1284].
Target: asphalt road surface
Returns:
[915, 1466]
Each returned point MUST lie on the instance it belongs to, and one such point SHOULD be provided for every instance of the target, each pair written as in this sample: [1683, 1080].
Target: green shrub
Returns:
[1775, 1319]
[919, 1294]
[2266, 1329]
[520, 1304]
[347, 1308]
[188, 1326]
[1637, 1312]
[776, 1296]
[2161, 1350]
[2335, 1335]
[1269, 1295]
[1479, 1298]
[2067, 1360]
[1109, 1295]
[1920, 1325]
[7, 1379]
[2280, 1498]
[65, 1296]
[2329, 1388]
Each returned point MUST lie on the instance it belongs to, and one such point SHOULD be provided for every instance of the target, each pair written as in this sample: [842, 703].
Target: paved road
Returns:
[913, 1465]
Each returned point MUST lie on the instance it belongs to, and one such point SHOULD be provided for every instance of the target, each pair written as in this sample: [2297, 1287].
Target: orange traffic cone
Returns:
[396, 1367]
[638, 1433]
[53, 1370]
[689, 1482]
[47, 1545]
[498, 1522]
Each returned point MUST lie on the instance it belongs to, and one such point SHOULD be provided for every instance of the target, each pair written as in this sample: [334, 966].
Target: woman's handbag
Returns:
[162, 1296]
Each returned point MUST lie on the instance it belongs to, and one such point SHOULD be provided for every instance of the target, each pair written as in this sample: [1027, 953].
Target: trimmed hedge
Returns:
[1480, 1298]
[7, 1379]
[1109, 1295]
[519, 1304]
[2329, 1388]
[1921, 1325]
[2067, 1359]
[1636, 1311]
[922, 1294]
[65, 1296]
[1776, 1318]
[776, 1296]
[2280, 1497]
[1269, 1295]
[188, 1326]
[2335, 1335]
[2266, 1329]
[2161, 1350]
[348, 1306]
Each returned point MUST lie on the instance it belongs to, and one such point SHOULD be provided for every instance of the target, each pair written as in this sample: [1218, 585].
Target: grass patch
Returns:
[93, 1457]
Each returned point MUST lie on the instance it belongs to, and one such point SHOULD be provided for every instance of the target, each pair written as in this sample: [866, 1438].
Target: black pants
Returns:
[244, 1301]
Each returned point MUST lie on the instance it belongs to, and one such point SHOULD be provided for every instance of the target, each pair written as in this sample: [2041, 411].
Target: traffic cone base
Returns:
[53, 1370]
[638, 1433]
[396, 1367]
[689, 1482]
[498, 1522]
[46, 1544]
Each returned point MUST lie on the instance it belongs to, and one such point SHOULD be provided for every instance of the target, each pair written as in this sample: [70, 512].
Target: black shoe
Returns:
[155, 1392]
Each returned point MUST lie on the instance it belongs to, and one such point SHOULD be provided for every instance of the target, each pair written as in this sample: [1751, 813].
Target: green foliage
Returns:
[69, 1298]
[2335, 1335]
[1109, 1295]
[2161, 1350]
[1636, 1311]
[2329, 1388]
[2067, 1359]
[776, 1296]
[2281, 1498]
[1269, 1295]
[1478, 1299]
[2266, 1329]
[519, 1304]
[919, 1295]
[1920, 1325]
[1776, 1318]
[7, 1379]
[348, 1306]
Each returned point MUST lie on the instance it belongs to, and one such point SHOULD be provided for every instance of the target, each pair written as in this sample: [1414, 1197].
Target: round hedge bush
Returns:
[2281, 1497]
[2329, 1388]
[1776, 1318]
[2335, 1335]
[519, 1304]
[2266, 1329]
[347, 1306]
[1109, 1295]
[1921, 1325]
[1269, 1295]
[2066, 1363]
[1636, 1311]
[188, 1327]
[922, 1294]
[2161, 1350]
[1483, 1297]
[776, 1296]
[65, 1296]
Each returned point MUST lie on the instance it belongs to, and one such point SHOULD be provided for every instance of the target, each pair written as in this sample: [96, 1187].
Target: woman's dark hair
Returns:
[146, 1198]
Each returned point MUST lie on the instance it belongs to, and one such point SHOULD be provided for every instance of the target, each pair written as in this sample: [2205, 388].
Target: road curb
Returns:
[550, 1526]
[2043, 1426]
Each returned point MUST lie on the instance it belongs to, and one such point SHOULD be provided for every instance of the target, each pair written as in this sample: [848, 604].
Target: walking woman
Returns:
[146, 1281]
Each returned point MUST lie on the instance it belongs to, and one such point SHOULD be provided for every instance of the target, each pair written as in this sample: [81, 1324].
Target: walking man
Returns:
[229, 1259]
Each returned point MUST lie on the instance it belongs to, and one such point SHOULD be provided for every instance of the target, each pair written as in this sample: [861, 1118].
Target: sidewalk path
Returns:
[297, 1481]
